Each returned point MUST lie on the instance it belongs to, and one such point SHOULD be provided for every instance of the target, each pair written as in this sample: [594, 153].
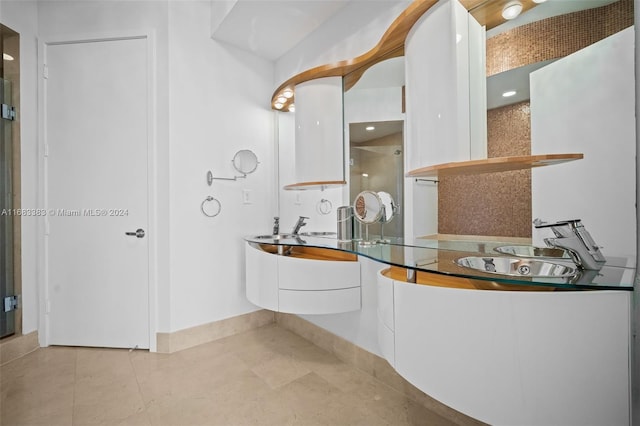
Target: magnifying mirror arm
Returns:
[211, 178]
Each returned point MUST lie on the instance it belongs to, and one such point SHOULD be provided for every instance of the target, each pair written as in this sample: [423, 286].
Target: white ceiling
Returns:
[269, 28]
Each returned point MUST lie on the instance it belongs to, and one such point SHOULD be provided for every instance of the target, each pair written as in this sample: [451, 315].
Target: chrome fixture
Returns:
[299, 224]
[210, 207]
[572, 236]
[276, 225]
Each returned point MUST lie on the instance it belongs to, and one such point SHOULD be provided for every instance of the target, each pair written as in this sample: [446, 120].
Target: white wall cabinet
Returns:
[301, 286]
[319, 137]
[438, 72]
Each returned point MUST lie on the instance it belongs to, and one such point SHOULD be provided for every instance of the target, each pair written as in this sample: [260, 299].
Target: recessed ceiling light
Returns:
[292, 108]
[509, 93]
[511, 10]
[281, 99]
[278, 105]
[539, 1]
[287, 93]
[7, 57]
[369, 128]
[365, 175]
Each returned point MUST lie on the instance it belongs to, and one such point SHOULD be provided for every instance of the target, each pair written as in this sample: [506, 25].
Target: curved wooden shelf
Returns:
[390, 45]
[493, 165]
[322, 185]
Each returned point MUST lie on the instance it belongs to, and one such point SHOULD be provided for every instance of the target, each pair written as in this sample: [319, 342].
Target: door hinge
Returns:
[10, 303]
[8, 112]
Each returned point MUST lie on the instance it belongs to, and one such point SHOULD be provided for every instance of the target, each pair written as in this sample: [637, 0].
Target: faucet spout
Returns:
[299, 224]
[572, 236]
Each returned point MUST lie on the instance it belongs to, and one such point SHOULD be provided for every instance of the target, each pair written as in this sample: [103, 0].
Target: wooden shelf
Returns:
[322, 185]
[493, 165]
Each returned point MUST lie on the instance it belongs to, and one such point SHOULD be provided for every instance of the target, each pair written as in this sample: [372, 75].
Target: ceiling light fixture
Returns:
[365, 175]
[7, 57]
[278, 105]
[287, 93]
[369, 128]
[292, 108]
[511, 10]
[282, 99]
[539, 1]
[509, 93]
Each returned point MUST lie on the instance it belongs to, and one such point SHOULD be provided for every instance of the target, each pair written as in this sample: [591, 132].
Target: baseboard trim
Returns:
[15, 347]
[372, 364]
[194, 336]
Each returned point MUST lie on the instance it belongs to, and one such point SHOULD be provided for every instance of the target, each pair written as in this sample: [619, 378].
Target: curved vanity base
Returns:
[512, 357]
[311, 281]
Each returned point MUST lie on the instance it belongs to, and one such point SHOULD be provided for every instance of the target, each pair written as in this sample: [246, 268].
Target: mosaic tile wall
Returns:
[556, 37]
[497, 203]
[500, 204]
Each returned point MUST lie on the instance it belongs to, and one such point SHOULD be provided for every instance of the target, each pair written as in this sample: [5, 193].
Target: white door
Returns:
[95, 106]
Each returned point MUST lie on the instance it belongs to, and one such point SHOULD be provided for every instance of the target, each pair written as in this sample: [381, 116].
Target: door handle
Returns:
[139, 233]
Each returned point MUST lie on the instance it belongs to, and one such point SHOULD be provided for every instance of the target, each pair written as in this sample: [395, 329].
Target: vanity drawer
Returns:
[319, 302]
[305, 274]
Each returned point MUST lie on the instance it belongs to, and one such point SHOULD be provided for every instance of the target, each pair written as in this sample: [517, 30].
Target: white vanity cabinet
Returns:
[512, 357]
[386, 324]
[300, 284]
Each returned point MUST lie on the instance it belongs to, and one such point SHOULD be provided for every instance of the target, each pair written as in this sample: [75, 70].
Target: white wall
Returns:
[219, 104]
[583, 103]
[22, 17]
[352, 31]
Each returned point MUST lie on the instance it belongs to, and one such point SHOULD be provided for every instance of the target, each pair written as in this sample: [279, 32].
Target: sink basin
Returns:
[517, 266]
[530, 251]
[318, 234]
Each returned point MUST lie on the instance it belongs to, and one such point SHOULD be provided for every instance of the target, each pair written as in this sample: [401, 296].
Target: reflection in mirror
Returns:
[377, 163]
[368, 207]
[245, 161]
[368, 210]
[374, 112]
[515, 49]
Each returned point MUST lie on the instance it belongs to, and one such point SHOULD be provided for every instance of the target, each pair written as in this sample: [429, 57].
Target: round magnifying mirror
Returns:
[245, 161]
[390, 209]
[367, 207]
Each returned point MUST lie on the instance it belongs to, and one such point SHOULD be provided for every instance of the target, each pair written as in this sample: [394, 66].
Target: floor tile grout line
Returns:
[135, 375]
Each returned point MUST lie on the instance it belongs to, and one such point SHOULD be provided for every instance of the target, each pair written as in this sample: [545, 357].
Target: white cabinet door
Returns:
[319, 133]
[262, 278]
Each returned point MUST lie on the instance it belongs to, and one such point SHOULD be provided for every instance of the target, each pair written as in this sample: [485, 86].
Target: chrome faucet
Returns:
[299, 224]
[572, 236]
[276, 225]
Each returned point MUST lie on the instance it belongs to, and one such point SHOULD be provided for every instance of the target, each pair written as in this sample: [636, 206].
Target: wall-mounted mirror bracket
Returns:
[211, 178]
[244, 161]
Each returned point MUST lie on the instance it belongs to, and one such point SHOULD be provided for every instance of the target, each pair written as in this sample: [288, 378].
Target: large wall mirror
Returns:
[374, 126]
[501, 204]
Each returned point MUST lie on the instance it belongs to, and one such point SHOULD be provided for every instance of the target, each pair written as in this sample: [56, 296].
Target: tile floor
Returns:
[267, 376]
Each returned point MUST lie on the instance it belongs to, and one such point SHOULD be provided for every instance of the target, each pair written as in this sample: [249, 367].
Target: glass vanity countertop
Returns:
[439, 256]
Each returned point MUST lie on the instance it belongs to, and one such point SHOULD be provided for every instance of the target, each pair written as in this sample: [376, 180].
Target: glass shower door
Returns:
[7, 314]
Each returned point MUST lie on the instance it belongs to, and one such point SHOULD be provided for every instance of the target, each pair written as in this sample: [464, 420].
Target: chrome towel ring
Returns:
[210, 207]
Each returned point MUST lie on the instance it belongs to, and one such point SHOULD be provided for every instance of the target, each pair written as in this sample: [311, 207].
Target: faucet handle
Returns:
[541, 224]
